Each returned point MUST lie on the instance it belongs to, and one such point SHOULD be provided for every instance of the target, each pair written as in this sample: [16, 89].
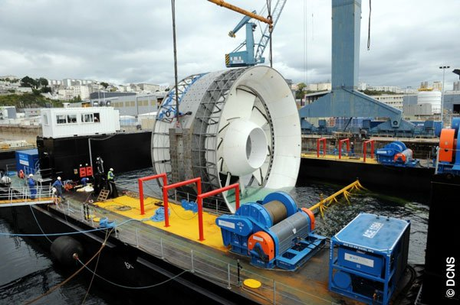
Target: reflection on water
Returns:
[26, 272]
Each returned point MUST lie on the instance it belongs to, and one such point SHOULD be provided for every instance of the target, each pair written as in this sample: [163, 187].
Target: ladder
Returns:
[103, 195]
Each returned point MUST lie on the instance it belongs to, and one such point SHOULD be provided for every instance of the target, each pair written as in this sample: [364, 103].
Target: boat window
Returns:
[87, 118]
[96, 117]
[60, 119]
[45, 119]
[71, 118]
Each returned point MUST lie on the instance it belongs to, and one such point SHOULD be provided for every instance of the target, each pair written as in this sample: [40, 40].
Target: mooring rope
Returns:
[73, 275]
[132, 287]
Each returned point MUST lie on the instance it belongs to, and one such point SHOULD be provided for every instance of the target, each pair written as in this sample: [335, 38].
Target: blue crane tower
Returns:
[344, 100]
[253, 53]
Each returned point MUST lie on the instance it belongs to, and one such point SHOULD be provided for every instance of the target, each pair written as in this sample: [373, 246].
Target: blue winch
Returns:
[273, 232]
[396, 154]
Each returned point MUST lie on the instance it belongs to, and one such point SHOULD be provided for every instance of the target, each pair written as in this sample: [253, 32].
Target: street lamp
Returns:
[442, 93]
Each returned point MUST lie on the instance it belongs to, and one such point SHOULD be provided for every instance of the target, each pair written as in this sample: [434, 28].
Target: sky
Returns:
[130, 41]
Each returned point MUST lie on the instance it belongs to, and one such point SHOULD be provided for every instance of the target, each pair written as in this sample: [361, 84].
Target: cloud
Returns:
[131, 41]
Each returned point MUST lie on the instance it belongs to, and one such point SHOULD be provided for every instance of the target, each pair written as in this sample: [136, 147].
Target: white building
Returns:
[456, 86]
[437, 86]
[79, 121]
[430, 97]
[7, 112]
[393, 100]
[149, 87]
[82, 91]
[318, 87]
[394, 89]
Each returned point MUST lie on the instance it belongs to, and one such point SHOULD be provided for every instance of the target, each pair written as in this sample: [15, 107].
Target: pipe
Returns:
[200, 198]
[347, 140]
[141, 188]
[323, 140]
[166, 188]
[365, 149]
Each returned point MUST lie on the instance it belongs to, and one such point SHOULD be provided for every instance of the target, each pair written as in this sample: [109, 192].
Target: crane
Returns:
[253, 54]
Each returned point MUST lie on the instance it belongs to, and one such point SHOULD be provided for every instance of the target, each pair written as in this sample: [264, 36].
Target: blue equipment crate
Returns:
[27, 160]
[368, 257]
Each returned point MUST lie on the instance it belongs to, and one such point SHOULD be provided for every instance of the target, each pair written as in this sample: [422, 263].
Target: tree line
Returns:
[38, 85]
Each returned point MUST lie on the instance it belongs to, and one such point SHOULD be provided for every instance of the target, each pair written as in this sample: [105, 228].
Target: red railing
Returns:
[372, 142]
[200, 198]
[141, 187]
[179, 184]
[347, 140]
[318, 142]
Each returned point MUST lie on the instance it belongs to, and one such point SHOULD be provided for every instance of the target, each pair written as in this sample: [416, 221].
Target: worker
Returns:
[84, 181]
[31, 183]
[99, 175]
[111, 184]
[99, 165]
[58, 186]
[352, 150]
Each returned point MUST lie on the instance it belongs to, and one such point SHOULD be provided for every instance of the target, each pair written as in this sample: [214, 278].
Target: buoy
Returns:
[63, 249]
[252, 283]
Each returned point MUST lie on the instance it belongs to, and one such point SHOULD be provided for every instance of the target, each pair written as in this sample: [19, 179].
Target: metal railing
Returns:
[222, 271]
[18, 196]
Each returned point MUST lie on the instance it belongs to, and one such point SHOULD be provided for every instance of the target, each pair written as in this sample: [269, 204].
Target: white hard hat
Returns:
[111, 169]
[59, 178]
[31, 175]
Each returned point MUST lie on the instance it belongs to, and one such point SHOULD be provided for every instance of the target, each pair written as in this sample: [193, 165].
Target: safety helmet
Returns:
[59, 178]
[111, 169]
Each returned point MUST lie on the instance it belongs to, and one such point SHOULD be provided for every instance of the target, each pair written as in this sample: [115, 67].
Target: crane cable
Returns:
[369, 28]
[270, 30]
[173, 13]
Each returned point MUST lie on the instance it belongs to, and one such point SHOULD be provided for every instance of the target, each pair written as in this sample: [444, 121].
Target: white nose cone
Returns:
[245, 147]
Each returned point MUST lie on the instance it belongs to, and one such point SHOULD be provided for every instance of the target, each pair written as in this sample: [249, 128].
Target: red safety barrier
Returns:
[89, 171]
[347, 140]
[318, 144]
[179, 184]
[200, 198]
[372, 142]
[141, 187]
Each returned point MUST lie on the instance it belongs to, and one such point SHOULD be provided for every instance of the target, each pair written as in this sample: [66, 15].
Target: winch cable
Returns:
[69, 233]
[131, 287]
[74, 274]
[38, 224]
[270, 30]
[172, 208]
[95, 268]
